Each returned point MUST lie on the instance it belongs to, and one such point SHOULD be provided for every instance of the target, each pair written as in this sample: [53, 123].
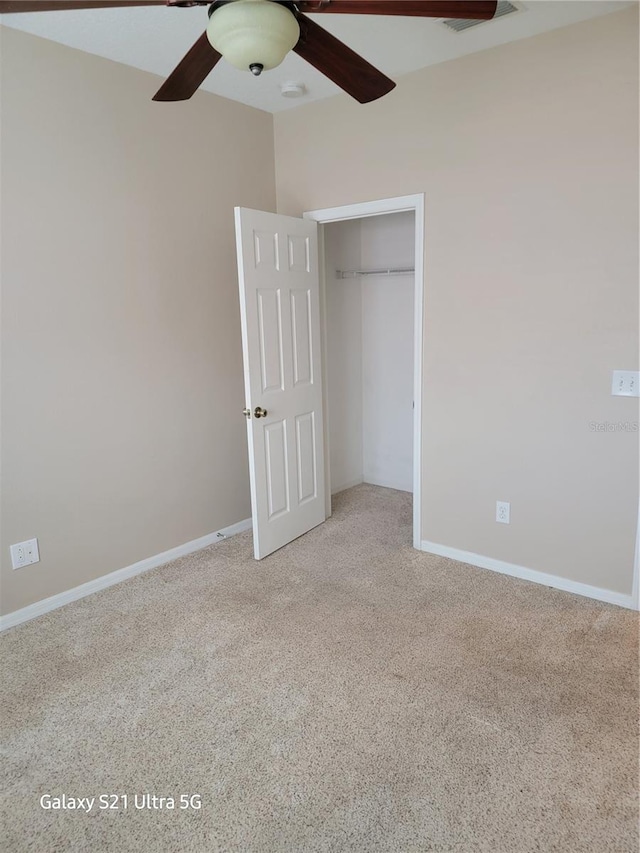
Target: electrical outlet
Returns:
[24, 553]
[503, 512]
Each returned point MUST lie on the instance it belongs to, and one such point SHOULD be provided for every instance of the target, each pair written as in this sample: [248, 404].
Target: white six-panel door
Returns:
[279, 307]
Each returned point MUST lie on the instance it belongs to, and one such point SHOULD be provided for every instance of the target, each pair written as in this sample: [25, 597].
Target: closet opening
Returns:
[371, 295]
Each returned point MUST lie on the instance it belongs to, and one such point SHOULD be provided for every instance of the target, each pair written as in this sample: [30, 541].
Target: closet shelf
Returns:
[386, 271]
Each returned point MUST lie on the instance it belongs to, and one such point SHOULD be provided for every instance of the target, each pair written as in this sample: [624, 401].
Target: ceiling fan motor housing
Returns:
[253, 35]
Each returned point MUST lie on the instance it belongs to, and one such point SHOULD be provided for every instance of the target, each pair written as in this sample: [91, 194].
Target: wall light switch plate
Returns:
[625, 383]
[24, 553]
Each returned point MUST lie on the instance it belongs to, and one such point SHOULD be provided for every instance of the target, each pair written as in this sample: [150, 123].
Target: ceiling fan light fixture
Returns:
[253, 34]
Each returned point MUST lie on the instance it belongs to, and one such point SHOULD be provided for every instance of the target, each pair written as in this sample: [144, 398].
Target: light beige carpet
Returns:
[345, 694]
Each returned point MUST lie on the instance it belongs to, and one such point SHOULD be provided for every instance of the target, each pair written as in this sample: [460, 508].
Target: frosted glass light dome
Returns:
[253, 34]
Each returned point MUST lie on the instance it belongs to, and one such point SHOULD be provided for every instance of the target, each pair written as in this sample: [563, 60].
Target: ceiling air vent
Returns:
[460, 24]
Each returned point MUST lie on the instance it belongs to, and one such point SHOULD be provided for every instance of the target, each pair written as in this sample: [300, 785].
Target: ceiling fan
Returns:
[256, 35]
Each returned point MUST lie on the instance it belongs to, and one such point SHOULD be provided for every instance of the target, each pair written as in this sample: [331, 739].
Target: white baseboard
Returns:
[608, 595]
[55, 601]
[388, 484]
[337, 489]
[371, 481]
[635, 595]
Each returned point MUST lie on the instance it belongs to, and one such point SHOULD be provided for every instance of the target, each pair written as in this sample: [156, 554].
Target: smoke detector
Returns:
[290, 89]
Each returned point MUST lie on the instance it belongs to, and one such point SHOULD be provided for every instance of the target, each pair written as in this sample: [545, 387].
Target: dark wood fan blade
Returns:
[341, 64]
[190, 73]
[8, 6]
[477, 9]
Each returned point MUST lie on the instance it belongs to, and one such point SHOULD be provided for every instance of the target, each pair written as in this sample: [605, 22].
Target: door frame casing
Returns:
[381, 207]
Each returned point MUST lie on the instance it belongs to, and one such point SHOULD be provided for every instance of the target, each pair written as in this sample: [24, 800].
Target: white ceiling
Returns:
[156, 38]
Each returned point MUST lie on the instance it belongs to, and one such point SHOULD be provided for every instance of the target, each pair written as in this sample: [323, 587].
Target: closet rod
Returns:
[386, 271]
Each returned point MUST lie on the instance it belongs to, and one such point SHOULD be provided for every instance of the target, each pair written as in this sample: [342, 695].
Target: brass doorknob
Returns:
[259, 412]
[246, 413]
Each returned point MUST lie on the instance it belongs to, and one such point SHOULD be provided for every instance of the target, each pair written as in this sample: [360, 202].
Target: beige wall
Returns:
[121, 372]
[528, 158]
